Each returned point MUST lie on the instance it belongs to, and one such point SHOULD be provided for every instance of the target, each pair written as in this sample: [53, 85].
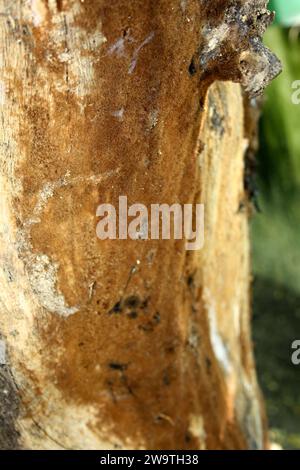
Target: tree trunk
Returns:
[126, 344]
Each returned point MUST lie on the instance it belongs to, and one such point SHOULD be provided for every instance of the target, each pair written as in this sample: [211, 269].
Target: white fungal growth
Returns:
[137, 51]
[117, 48]
[43, 278]
[215, 37]
[217, 342]
[119, 113]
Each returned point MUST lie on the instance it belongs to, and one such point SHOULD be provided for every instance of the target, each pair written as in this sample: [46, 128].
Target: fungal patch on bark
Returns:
[119, 113]
[43, 279]
[231, 45]
[118, 47]
[134, 60]
[42, 271]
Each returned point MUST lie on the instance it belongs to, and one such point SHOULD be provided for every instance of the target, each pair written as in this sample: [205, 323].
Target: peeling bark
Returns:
[127, 344]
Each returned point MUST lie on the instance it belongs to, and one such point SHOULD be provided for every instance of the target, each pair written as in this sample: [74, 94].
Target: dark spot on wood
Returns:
[118, 366]
[201, 104]
[144, 304]
[217, 120]
[8, 273]
[250, 182]
[125, 32]
[156, 317]
[170, 349]
[133, 314]
[148, 327]
[25, 30]
[192, 67]
[132, 301]
[117, 308]
[166, 378]
[59, 4]
[208, 364]
[190, 281]
[124, 380]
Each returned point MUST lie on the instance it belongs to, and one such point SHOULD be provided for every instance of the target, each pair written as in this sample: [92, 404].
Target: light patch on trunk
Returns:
[248, 411]
[236, 318]
[42, 274]
[77, 48]
[183, 5]
[81, 53]
[153, 119]
[43, 279]
[81, 422]
[119, 114]
[217, 342]
[49, 190]
[41, 270]
[196, 428]
[215, 37]
[39, 12]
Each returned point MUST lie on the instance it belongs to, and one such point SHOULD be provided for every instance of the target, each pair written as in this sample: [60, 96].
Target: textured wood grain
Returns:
[126, 344]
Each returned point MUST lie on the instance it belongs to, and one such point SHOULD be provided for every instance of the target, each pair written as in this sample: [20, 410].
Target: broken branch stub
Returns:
[231, 44]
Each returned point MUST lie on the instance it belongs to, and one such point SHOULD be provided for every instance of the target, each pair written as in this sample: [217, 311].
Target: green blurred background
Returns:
[275, 234]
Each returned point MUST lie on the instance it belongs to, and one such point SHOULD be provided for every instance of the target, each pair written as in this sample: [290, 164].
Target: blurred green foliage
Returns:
[287, 11]
[280, 142]
[276, 244]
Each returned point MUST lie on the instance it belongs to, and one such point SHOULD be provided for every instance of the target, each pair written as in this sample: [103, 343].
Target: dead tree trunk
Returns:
[121, 343]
